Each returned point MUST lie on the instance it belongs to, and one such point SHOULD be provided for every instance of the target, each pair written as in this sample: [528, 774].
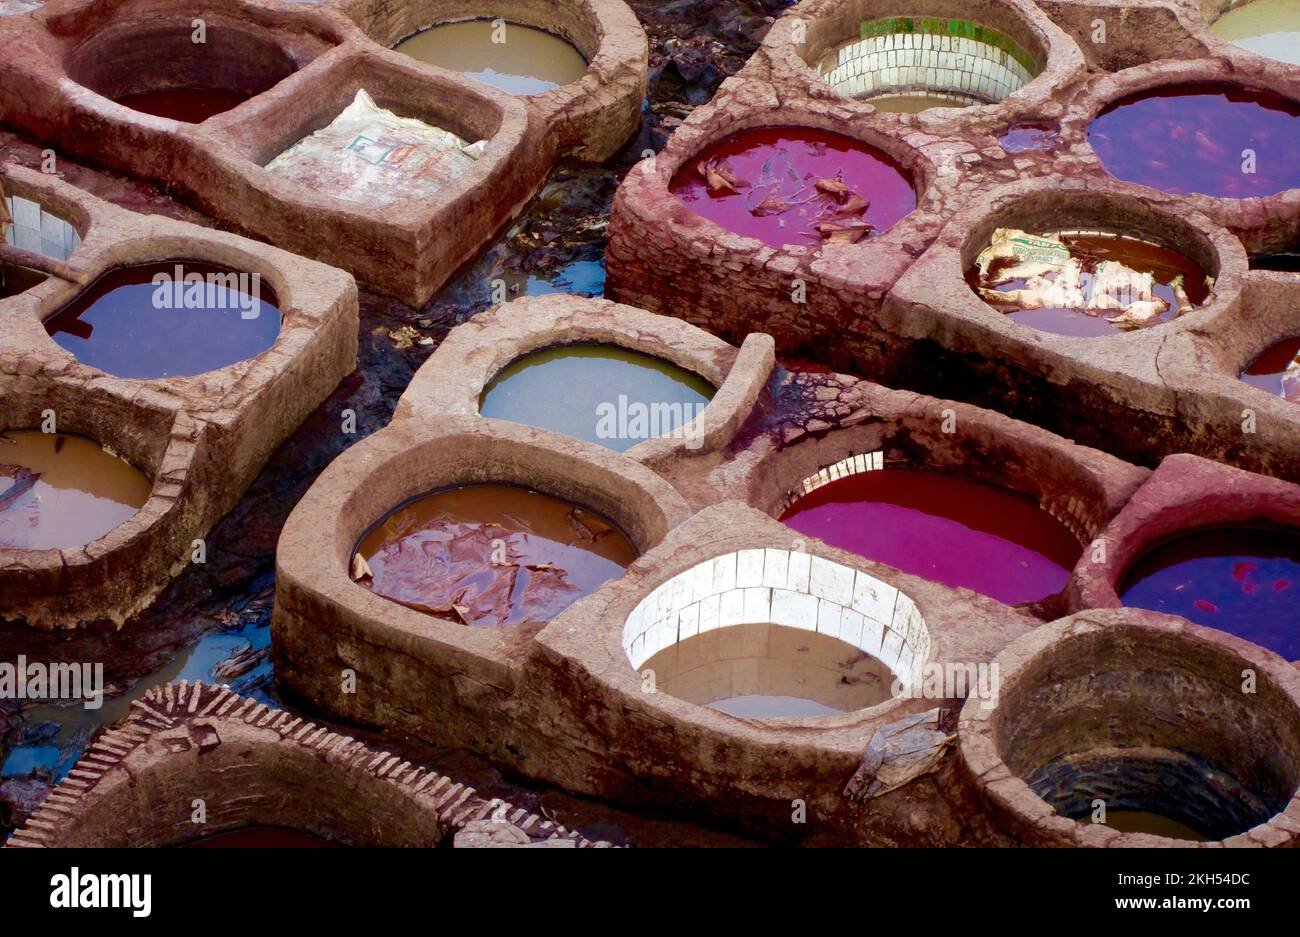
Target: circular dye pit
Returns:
[168, 319]
[764, 671]
[515, 58]
[162, 71]
[906, 64]
[491, 555]
[263, 837]
[1245, 581]
[1086, 284]
[1277, 370]
[796, 186]
[1266, 27]
[605, 394]
[961, 533]
[60, 492]
[1196, 138]
[1146, 731]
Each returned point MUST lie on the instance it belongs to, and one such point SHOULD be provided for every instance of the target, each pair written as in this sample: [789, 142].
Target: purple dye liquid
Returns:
[785, 164]
[1267, 371]
[1191, 138]
[1245, 581]
[951, 530]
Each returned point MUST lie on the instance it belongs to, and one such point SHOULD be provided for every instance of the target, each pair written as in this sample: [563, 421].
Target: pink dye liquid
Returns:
[1192, 138]
[783, 165]
[961, 533]
[1266, 372]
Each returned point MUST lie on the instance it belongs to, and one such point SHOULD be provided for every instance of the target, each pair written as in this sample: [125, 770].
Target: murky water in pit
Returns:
[59, 491]
[1266, 27]
[605, 394]
[528, 61]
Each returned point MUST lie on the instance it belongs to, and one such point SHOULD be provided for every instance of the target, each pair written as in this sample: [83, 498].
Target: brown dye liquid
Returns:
[913, 103]
[1144, 821]
[1091, 250]
[15, 280]
[529, 61]
[492, 555]
[263, 837]
[764, 671]
[59, 491]
[189, 105]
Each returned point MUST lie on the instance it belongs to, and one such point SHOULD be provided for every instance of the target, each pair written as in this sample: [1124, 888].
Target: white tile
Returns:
[701, 581]
[873, 634]
[873, 598]
[851, 625]
[776, 567]
[749, 568]
[688, 622]
[800, 572]
[828, 618]
[724, 573]
[732, 609]
[710, 609]
[758, 605]
[831, 581]
[794, 609]
[681, 595]
[890, 648]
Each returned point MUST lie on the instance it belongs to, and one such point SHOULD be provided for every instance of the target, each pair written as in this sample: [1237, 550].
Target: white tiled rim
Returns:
[787, 588]
[953, 61]
[40, 231]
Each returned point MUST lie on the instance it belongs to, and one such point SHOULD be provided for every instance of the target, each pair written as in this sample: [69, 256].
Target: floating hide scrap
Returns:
[1071, 272]
[370, 155]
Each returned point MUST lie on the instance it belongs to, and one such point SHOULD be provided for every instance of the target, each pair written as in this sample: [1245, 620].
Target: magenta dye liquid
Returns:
[776, 198]
[1245, 581]
[961, 533]
[1193, 138]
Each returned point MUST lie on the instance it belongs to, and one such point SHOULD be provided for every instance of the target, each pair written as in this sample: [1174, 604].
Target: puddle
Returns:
[515, 58]
[55, 735]
[1277, 370]
[1266, 27]
[1085, 284]
[263, 837]
[796, 186]
[492, 555]
[189, 105]
[1241, 580]
[765, 671]
[961, 533]
[177, 318]
[1027, 137]
[60, 492]
[605, 394]
[914, 103]
[1144, 821]
[1195, 138]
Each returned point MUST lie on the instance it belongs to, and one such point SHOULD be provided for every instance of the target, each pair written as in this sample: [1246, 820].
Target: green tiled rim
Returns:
[963, 29]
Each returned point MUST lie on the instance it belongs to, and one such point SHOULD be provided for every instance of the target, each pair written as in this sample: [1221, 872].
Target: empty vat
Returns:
[33, 228]
[906, 64]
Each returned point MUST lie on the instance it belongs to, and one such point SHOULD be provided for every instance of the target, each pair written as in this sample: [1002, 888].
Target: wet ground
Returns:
[213, 623]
